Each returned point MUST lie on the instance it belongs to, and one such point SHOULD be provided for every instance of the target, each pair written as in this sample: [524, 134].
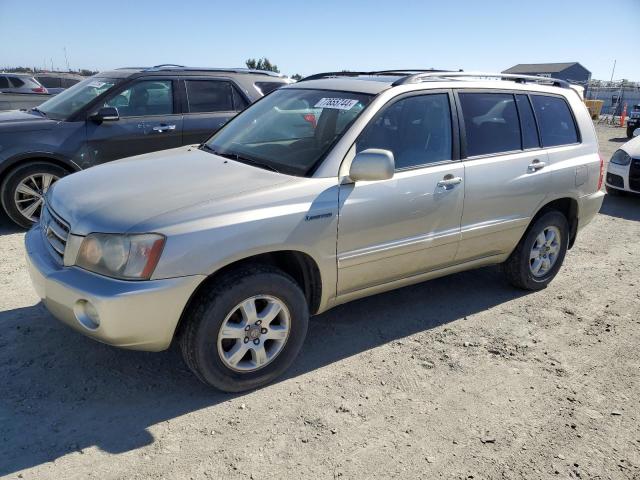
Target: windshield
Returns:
[73, 99]
[289, 130]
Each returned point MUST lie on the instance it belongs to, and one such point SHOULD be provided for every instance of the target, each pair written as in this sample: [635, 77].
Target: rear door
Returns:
[208, 104]
[150, 120]
[506, 171]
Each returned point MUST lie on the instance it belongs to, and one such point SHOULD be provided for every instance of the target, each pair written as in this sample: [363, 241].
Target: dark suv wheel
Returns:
[246, 330]
[23, 189]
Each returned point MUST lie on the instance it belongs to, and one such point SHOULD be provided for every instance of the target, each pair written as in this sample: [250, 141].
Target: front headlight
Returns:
[620, 157]
[128, 257]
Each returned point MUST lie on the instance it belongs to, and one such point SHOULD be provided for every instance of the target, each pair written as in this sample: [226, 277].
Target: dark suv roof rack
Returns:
[427, 76]
[395, 72]
[182, 68]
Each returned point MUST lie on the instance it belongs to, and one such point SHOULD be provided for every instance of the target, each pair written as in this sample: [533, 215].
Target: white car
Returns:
[623, 172]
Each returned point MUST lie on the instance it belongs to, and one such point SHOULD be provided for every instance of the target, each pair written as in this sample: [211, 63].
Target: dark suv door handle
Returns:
[536, 165]
[163, 128]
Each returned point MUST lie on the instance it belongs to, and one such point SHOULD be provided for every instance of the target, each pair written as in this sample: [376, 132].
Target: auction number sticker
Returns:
[337, 103]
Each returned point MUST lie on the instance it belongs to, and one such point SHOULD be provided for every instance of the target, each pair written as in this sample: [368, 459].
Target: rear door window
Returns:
[491, 123]
[555, 121]
[527, 123]
[209, 96]
[4, 83]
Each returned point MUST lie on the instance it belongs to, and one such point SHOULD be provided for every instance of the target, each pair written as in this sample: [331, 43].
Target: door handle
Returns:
[449, 181]
[163, 128]
[536, 165]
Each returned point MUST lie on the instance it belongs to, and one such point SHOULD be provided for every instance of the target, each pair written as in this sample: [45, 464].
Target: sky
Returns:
[307, 37]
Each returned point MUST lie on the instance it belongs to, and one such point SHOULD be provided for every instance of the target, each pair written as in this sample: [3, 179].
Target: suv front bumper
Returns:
[140, 315]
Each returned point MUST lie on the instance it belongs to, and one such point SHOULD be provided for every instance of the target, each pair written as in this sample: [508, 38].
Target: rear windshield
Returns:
[289, 131]
[268, 87]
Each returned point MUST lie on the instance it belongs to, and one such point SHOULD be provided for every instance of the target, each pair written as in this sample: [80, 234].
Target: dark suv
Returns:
[112, 115]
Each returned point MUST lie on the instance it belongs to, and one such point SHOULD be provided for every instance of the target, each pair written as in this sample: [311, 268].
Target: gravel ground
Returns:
[461, 377]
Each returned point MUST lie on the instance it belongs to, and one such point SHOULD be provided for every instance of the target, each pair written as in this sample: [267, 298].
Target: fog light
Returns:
[86, 314]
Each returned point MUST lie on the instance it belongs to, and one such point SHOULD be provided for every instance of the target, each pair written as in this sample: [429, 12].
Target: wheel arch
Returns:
[17, 161]
[568, 206]
[299, 265]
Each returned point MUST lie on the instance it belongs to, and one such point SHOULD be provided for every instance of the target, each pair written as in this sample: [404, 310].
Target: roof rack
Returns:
[395, 72]
[426, 76]
[182, 68]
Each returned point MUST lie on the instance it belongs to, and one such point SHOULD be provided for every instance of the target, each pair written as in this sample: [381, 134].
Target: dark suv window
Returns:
[555, 121]
[268, 87]
[209, 96]
[4, 83]
[490, 122]
[527, 123]
[416, 129]
[144, 98]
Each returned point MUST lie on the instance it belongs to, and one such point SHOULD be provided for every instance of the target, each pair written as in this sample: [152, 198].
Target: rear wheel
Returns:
[23, 190]
[540, 253]
[246, 330]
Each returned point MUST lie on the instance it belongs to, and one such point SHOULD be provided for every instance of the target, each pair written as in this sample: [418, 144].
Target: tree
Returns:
[262, 64]
[296, 77]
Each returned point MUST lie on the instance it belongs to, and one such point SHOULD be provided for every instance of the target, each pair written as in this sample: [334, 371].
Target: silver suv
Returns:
[338, 187]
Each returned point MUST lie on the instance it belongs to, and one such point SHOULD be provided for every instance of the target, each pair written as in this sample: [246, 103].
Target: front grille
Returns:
[55, 231]
[615, 180]
[634, 174]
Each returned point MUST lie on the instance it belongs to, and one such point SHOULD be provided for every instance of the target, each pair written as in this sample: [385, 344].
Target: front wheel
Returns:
[540, 253]
[246, 330]
[23, 190]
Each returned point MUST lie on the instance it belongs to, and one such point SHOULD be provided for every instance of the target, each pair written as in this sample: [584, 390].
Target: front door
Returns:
[148, 122]
[409, 224]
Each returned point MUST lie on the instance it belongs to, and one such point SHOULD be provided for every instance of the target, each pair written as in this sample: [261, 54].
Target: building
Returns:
[571, 71]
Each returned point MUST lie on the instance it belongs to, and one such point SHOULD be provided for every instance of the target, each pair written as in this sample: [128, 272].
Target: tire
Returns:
[614, 192]
[199, 333]
[519, 266]
[15, 178]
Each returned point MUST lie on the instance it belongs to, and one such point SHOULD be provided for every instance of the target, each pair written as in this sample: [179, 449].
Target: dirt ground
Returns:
[461, 377]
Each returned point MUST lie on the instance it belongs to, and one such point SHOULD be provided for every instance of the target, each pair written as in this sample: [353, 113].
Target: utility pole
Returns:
[66, 58]
[52, 64]
[613, 69]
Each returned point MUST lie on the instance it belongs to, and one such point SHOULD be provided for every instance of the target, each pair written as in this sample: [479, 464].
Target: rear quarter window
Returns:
[16, 82]
[555, 121]
[268, 87]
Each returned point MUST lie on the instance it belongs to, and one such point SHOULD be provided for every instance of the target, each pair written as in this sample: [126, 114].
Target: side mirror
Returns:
[636, 132]
[106, 114]
[372, 164]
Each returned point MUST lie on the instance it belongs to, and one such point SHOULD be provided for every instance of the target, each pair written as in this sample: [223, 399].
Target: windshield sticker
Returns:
[96, 84]
[338, 103]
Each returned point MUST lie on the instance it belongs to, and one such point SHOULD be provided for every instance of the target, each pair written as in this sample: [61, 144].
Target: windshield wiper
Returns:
[240, 158]
[36, 109]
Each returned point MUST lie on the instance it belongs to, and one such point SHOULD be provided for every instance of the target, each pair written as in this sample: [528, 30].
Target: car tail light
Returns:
[601, 172]
[311, 118]
[39, 90]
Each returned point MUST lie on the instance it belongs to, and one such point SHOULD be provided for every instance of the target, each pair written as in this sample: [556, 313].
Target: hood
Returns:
[19, 120]
[632, 147]
[118, 196]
